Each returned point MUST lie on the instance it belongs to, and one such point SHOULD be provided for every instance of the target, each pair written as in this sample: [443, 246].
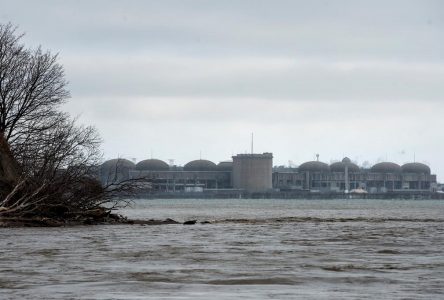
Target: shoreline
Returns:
[45, 222]
[52, 222]
[291, 195]
[103, 216]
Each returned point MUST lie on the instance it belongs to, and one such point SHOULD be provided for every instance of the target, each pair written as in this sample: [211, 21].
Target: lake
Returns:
[253, 249]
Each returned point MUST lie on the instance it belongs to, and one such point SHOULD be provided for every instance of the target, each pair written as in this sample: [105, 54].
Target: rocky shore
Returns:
[92, 217]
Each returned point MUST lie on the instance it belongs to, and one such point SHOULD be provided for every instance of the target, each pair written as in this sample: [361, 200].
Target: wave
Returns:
[254, 281]
[327, 220]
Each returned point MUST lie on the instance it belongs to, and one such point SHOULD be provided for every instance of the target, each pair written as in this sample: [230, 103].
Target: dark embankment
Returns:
[99, 216]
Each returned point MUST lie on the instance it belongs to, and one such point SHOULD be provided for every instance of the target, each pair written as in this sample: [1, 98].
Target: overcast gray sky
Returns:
[180, 79]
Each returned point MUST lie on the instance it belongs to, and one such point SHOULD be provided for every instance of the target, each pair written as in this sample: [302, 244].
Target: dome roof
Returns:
[346, 160]
[314, 166]
[415, 168]
[200, 165]
[340, 166]
[386, 167]
[152, 165]
[225, 166]
[118, 163]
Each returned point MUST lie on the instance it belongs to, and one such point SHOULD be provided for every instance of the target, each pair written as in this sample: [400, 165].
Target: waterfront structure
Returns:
[345, 176]
[253, 173]
[116, 170]
[195, 176]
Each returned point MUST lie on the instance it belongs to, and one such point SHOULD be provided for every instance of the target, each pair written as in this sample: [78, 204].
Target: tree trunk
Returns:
[9, 168]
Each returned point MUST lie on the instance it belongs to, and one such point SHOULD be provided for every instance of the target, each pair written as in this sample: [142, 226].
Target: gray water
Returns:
[254, 249]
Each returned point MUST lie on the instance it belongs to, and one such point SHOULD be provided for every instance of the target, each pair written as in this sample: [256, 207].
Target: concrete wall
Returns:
[253, 172]
[177, 180]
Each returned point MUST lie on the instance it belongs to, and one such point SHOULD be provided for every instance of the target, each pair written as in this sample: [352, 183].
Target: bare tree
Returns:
[32, 85]
[48, 164]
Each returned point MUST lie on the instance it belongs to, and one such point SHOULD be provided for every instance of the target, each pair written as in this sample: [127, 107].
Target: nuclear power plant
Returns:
[255, 174]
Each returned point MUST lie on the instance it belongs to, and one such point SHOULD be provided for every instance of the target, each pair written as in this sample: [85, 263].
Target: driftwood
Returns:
[94, 217]
[61, 200]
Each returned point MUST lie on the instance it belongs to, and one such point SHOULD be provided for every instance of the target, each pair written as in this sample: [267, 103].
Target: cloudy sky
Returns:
[187, 79]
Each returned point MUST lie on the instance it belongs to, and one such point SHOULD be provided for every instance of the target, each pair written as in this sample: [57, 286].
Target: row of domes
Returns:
[160, 165]
[383, 167]
[310, 166]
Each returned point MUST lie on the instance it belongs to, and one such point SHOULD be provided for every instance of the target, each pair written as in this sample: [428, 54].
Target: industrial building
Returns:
[345, 176]
[254, 173]
[195, 176]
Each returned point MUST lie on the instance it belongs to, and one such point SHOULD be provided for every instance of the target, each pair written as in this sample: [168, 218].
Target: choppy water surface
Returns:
[274, 249]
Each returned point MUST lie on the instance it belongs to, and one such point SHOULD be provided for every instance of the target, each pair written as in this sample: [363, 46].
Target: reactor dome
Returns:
[346, 160]
[200, 165]
[340, 166]
[117, 164]
[152, 165]
[386, 167]
[115, 170]
[314, 166]
[226, 166]
[418, 168]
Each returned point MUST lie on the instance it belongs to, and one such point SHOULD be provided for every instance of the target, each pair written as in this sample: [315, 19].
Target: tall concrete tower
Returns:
[253, 172]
